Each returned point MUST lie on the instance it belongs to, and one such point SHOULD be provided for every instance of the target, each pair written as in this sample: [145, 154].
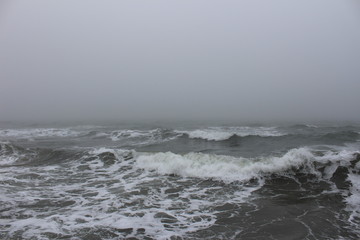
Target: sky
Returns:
[285, 60]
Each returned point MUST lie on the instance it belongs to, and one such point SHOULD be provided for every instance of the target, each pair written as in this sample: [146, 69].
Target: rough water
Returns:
[180, 182]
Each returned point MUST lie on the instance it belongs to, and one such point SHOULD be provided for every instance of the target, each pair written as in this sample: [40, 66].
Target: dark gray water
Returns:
[180, 182]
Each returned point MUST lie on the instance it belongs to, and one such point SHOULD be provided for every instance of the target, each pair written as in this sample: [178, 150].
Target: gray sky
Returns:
[198, 59]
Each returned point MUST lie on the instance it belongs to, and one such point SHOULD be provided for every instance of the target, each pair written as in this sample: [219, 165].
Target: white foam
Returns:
[221, 167]
[8, 160]
[117, 152]
[209, 134]
[141, 137]
[342, 157]
[111, 188]
[223, 133]
[311, 126]
[10, 155]
[116, 135]
[353, 199]
[132, 193]
[133, 133]
[229, 169]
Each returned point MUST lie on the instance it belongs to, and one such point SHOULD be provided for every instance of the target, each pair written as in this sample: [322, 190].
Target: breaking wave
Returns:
[341, 170]
[10, 154]
[224, 133]
[229, 169]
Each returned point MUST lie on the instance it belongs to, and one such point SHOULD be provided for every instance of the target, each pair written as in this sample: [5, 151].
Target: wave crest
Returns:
[230, 169]
[224, 133]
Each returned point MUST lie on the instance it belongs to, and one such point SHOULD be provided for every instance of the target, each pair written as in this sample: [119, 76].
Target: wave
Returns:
[30, 133]
[11, 154]
[230, 169]
[302, 126]
[141, 137]
[224, 133]
[100, 191]
[304, 138]
[353, 200]
[155, 195]
[125, 134]
[342, 135]
[339, 169]
[128, 133]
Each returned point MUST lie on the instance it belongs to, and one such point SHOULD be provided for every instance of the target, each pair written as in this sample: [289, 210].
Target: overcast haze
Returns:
[235, 60]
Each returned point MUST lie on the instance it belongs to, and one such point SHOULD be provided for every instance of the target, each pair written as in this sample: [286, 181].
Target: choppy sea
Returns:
[198, 181]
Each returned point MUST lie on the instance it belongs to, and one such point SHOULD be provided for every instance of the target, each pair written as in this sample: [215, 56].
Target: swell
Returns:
[14, 155]
[326, 138]
[341, 136]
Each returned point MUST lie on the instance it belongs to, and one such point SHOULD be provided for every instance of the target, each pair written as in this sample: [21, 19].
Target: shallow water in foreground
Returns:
[198, 182]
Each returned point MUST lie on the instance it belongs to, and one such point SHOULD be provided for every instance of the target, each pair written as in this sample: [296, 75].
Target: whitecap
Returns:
[223, 133]
[143, 137]
[229, 169]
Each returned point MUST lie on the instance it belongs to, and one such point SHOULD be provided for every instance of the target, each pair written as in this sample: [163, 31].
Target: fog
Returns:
[252, 60]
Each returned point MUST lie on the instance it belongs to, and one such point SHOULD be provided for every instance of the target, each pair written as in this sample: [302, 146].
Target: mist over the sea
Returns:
[180, 60]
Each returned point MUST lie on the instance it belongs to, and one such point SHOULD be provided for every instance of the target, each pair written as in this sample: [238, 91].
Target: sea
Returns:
[179, 181]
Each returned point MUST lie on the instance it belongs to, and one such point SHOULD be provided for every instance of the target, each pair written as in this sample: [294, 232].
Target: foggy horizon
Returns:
[248, 61]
